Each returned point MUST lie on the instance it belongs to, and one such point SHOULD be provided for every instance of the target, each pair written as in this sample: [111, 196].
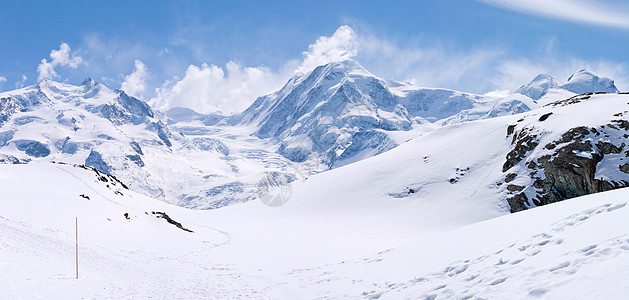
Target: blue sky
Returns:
[220, 55]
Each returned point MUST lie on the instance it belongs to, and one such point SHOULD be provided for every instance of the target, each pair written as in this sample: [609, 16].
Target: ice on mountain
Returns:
[162, 131]
[5, 137]
[96, 161]
[135, 158]
[66, 146]
[32, 148]
[207, 144]
[136, 147]
[295, 153]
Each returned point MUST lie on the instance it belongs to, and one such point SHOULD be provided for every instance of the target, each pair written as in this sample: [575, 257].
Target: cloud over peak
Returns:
[62, 57]
[135, 83]
[342, 45]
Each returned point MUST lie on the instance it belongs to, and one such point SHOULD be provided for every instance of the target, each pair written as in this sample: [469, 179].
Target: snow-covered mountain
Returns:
[118, 134]
[340, 113]
[581, 82]
[538, 87]
[332, 116]
[435, 205]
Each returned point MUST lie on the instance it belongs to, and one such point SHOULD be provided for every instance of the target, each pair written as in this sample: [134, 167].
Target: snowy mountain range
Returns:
[389, 191]
[332, 116]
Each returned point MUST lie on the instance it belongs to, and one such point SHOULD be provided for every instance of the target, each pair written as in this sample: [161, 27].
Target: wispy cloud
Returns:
[62, 57]
[602, 13]
[20, 84]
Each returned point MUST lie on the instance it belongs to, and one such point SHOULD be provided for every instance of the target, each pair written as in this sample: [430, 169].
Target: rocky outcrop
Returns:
[570, 169]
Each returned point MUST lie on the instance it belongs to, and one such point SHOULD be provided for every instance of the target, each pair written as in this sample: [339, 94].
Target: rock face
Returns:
[569, 166]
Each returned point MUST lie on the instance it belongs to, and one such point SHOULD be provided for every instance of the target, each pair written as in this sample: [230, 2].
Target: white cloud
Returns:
[583, 11]
[340, 46]
[134, 84]
[3, 79]
[491, 70]
[62, 57]
[20, 84]
[210, 88]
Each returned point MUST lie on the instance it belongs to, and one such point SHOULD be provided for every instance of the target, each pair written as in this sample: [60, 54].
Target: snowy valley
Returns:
[394, 192]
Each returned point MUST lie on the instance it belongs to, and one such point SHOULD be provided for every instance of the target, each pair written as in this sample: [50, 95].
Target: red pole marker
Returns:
[76, 224]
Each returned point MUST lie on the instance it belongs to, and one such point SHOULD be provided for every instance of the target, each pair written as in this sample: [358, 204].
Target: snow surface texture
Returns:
[303, 250]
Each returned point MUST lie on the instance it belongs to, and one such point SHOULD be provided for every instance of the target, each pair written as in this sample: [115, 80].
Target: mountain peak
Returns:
[585, 81]
[88, 82]
[538, 87]
[344, 68]
[581, 73]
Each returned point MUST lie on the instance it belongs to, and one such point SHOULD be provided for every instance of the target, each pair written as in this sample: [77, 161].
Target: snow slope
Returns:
[255, 252]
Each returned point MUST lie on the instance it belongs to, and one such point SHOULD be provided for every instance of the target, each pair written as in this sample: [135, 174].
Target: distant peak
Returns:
[538, 87]
[586, 81]
[543, 76]
[582, 73]
[44, 82]
[346, 67]
[88, 82]
[347, 64]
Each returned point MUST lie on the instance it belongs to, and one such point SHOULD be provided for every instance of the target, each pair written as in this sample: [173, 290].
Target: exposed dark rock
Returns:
[624, 124]
[163, 215]
[510, 129]
[108, 178]
[518, 202]
[514, 188]
[571, 100]
[545, 116]
[608, 148]
[570, 171]
[85, 196]
[525, 143]
[510, 177]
